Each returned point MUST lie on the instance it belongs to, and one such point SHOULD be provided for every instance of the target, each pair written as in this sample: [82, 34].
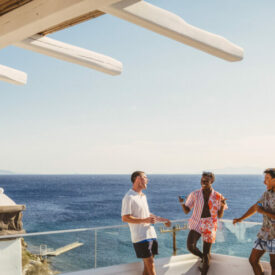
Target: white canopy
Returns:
[21, 25]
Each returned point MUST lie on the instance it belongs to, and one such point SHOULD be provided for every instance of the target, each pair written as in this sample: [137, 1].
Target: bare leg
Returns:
[206, 257]
[149, 266]
[145, 270]
[272, 263]
[192, 240]
[254, 260]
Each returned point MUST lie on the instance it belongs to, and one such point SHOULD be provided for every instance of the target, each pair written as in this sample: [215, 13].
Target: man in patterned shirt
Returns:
[266, 235]
[208, 205]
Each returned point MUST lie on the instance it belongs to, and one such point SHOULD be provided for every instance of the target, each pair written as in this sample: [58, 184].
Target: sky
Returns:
[174, 109]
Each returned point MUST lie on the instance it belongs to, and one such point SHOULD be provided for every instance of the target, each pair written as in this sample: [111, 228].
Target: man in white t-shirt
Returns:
[135, 212]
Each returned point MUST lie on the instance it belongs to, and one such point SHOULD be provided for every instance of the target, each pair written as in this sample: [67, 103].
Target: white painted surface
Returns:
[5, 200]
[73, 54]
[12, 76]
[10, 257]
[39, 15]
[182, 265]
[168, 24]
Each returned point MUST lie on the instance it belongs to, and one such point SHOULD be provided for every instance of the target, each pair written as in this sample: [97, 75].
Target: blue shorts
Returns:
[267, 246]
[146, 248]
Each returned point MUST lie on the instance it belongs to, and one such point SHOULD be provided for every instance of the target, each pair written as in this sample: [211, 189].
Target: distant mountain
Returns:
[5, 172]
[239, 170]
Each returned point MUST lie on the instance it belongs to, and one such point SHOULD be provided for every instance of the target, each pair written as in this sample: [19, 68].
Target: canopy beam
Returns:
[70, 53]
[168, 24]
[12, 76]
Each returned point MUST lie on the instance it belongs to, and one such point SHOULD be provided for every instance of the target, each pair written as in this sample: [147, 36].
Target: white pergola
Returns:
[26, 23]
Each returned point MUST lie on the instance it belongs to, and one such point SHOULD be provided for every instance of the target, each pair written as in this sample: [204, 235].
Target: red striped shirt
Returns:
[195, 201]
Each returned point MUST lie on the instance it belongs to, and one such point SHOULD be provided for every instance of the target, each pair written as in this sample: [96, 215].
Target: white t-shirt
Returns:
[136, 205]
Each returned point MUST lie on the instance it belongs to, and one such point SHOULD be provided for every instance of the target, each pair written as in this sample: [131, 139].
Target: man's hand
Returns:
[237, 220]
[152, 219]
[223, 202]
[185, 208]
[168, 223]
[181, 200]
[160, 219]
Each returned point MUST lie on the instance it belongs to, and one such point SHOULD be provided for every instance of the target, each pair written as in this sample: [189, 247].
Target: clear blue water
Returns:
[63, 202]
[79, 201]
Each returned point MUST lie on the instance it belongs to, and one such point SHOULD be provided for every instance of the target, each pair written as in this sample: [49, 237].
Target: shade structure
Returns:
[12, 76]
[173, 26]
[70, 53]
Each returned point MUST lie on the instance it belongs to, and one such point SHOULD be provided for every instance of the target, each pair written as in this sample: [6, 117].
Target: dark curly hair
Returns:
[270, 171]
[209, 175]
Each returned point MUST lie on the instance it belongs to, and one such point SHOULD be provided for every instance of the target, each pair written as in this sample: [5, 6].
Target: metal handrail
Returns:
[93, 229]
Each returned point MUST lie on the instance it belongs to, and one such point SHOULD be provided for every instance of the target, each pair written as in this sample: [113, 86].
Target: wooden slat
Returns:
[72, 22]
[39, 15]
[9, 5]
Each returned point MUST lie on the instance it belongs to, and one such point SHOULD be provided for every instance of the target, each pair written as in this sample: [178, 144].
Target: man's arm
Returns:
[131, 219]
[221, 210]
[185, 208]
[251, 211]
[261, 210]
[167, 222]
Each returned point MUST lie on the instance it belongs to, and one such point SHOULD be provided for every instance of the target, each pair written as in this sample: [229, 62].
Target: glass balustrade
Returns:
[73, 250]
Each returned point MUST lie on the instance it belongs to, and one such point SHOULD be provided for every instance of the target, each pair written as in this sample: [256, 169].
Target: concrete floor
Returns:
[182, 265]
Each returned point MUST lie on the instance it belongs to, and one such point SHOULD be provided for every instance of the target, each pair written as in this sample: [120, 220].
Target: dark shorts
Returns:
[146, 248]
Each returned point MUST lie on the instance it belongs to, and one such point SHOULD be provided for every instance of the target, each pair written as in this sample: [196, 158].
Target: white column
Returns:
[11, 257]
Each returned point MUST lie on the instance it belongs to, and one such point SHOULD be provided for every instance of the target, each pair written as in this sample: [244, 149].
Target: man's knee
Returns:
[149, 262]
[191, 246]
[206, 260]
[149, 265]
[253, 261]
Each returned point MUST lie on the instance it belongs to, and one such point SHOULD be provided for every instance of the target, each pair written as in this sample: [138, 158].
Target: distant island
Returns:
[239, 170]
[5, 172]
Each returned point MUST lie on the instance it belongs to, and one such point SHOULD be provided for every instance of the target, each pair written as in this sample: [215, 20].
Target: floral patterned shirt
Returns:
[267, 231]
[196, 201]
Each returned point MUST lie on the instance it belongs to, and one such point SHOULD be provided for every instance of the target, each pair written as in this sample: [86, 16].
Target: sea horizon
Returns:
[61, 202]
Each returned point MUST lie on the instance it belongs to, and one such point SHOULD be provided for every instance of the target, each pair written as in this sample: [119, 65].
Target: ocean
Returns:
[57, 202]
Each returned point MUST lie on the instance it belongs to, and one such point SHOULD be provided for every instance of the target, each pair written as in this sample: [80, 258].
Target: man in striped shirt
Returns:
[208, 205]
